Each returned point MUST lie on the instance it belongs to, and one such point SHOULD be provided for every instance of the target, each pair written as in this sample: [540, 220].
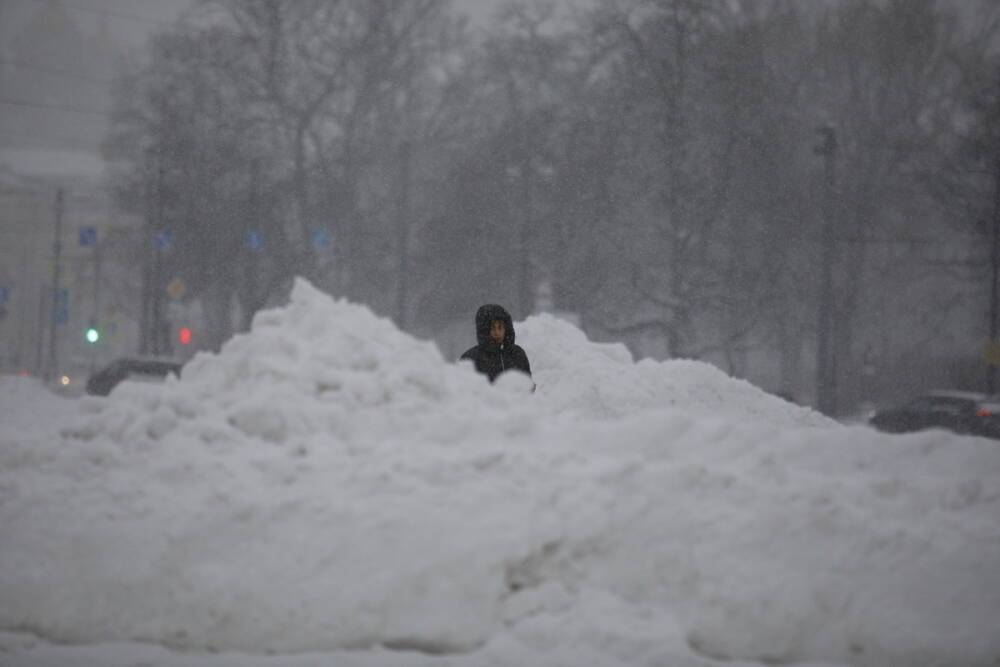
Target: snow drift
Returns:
[328, 483]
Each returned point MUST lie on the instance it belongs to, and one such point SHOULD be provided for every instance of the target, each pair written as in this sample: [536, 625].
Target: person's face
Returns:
[497, 331]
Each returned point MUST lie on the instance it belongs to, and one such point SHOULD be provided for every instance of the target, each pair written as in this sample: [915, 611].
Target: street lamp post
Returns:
[826, 362]
[51, 367]
[995, 265]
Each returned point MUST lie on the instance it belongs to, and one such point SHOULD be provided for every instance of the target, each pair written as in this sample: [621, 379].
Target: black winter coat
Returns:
[491, 359]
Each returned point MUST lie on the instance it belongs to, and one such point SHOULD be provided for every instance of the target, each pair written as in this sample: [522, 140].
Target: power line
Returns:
[29, 134]
[110, 12]
[53, 107]
[62, 141]
[57, 71]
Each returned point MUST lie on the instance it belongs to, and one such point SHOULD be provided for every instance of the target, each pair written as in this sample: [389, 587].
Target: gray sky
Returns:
[41, 78]
[131, 20]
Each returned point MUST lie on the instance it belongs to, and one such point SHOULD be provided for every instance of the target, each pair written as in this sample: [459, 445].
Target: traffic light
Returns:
[184, 336]
[93, 334]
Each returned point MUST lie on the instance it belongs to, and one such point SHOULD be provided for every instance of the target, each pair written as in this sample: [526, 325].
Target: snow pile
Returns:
[327, 483]
[318, 366]
[28, 404]
[321, 365]
[603, 381]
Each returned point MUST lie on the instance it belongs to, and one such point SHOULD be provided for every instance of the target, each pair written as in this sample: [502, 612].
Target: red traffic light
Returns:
[184, 335]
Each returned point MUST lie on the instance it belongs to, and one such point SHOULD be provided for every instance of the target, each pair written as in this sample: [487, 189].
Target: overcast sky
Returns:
[36, 94]
[132, 20]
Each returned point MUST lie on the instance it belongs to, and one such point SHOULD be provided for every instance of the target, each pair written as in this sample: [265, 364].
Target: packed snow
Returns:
[28, 406]
[329, 490]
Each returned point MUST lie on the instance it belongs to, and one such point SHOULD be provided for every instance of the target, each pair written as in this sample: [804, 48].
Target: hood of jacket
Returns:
[485, 316]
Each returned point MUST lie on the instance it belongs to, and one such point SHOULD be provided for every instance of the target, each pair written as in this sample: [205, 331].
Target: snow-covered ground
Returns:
[329, 491]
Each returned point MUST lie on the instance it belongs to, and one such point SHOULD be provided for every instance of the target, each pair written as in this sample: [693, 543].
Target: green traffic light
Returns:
[93, 335]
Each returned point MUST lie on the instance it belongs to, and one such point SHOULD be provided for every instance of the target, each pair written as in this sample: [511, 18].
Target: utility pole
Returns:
[40, 338]
[156, 288]
[403, 232]
[995, 265]
[148, 245]
[826, 363]
[96, 318]
[524, 291]
[252, 240]
[156, 317]
[53, 360]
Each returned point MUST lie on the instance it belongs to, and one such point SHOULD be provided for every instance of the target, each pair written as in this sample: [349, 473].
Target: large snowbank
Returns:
[328, 484]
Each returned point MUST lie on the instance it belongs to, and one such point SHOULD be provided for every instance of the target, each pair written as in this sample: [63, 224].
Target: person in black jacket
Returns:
[496, 351]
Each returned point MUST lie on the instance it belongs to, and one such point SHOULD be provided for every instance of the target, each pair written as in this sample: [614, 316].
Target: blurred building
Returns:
[54, 77]
[99, 276]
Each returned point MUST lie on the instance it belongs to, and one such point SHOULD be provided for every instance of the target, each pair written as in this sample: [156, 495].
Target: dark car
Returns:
[147, 370]
[958, 411]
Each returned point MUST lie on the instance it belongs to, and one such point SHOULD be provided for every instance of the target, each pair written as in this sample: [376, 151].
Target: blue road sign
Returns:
[321, 239]
[4, 295]
[61, 310]
[88, 236]
[255, 240]
[163, 240]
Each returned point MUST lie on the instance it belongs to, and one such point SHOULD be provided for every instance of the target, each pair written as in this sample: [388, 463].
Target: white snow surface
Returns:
[330, 490]
[27, 405]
